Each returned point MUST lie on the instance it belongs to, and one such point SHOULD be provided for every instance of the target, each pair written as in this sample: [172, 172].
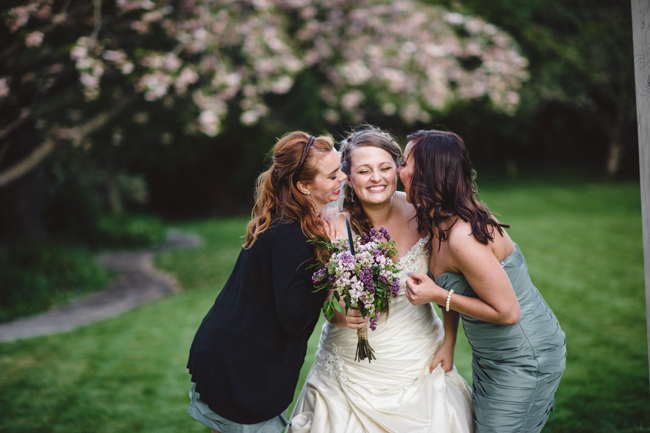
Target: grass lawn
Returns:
[583, 245]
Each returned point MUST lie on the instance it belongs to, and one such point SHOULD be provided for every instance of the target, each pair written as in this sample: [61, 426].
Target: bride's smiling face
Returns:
[373, 175]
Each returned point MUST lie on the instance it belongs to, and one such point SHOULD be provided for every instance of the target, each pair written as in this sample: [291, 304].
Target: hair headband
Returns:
[303, 158]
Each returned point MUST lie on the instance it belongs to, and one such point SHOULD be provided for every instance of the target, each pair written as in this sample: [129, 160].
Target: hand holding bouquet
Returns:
[363, 276]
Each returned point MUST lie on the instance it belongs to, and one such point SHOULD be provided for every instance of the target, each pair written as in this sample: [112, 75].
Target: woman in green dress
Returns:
[518, 347]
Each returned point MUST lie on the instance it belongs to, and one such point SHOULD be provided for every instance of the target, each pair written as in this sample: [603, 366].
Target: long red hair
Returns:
[276, 194]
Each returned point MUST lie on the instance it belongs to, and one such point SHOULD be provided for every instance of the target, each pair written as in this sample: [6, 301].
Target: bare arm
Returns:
[445, 353]
[496, 302]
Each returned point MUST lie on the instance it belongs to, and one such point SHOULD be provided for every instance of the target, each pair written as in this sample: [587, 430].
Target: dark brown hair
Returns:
[443, 187]
[365, 135]
[277, 196]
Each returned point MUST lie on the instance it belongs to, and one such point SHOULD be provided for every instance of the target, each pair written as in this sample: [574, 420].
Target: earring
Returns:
[308, 192]
[352, 194]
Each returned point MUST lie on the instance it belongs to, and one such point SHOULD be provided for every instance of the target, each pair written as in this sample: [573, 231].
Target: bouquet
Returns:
[361, 273]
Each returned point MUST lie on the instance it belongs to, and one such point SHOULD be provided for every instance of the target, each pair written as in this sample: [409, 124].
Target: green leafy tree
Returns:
[580, 54]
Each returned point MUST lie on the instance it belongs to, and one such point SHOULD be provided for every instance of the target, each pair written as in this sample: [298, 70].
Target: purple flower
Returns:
[366, 279]
[318, 276]
[383, 231]
[365, 238]
[373, 322]
[346, 257]
[395, 288]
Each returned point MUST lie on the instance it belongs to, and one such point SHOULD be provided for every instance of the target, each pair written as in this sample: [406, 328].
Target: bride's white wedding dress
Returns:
[394, 393]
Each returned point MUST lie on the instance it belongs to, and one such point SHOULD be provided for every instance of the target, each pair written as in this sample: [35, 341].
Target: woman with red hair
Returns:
[246, 356]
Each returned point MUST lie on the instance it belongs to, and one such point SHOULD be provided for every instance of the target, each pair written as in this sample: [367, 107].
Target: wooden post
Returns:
[641, 38]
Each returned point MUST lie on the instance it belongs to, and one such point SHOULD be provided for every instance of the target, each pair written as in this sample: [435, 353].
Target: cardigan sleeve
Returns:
[296, 304]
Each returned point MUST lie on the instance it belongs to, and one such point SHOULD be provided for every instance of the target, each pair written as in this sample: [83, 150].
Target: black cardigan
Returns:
[246, 356]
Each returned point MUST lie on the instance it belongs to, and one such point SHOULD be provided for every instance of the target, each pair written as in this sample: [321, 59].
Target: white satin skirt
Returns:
[395, 392]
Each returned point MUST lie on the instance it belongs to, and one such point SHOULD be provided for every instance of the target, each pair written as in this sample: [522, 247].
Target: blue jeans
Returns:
[202, 413]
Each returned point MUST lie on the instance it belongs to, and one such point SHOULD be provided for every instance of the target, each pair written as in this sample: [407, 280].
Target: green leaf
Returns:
[327, 309]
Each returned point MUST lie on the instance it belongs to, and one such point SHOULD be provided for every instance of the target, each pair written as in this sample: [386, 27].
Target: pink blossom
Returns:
[187, 76]
[4, 87]
[249, 117]
[209, 123]
[407, 54]
[332, 116]
[351, 100]
[34, 39]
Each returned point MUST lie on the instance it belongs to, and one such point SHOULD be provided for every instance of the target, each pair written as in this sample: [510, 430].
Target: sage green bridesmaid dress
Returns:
[516, 369]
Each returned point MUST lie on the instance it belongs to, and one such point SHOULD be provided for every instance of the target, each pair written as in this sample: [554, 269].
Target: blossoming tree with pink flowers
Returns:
[77, 68]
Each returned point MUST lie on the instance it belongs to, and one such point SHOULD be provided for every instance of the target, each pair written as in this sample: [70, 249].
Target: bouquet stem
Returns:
[363, 346]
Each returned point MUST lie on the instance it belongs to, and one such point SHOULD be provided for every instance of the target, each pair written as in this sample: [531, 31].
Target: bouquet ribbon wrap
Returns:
[360, 273]
[363, 346]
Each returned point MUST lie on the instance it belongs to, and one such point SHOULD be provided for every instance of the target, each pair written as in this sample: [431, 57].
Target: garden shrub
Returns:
[36, 277]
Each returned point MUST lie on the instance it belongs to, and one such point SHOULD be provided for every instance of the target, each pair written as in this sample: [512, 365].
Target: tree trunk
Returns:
[113, 194]
[21, 203]
[614, 158]
[616, 149]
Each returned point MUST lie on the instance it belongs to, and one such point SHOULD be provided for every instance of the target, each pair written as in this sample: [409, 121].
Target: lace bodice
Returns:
[415, 260]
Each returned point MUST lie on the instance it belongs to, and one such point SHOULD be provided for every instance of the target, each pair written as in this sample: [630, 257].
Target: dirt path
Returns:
[138, 282]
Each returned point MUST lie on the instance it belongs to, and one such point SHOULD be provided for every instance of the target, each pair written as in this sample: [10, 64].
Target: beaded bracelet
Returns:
[448, 299]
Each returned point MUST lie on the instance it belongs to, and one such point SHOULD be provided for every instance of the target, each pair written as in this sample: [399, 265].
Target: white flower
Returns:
[249, 117]
[187, 76]
[454, 18]
[209, 123]
[34, 39]
[332, 116]
[4, 87]
[351, 100]
[389, 108]
[127, 68]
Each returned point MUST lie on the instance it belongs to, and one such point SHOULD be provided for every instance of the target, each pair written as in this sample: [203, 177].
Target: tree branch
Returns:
[97, 20]
[27, 164]
[25, 114]
[55, 134]
[102, 118]
[60, 19]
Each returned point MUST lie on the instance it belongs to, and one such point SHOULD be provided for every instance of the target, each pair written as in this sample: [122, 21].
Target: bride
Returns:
[412, 386]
